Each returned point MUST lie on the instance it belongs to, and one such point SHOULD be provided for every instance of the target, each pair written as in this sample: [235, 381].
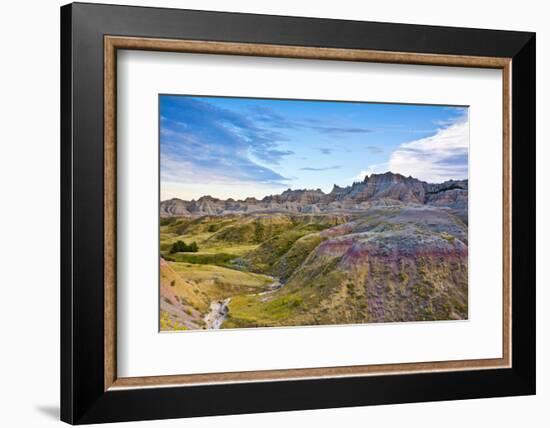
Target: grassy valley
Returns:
[388, 262]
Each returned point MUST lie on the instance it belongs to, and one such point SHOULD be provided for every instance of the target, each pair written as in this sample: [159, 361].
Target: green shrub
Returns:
[182, 247]
[220, 259]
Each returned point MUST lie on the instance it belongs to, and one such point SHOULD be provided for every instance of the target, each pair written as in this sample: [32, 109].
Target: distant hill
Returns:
[386, 189]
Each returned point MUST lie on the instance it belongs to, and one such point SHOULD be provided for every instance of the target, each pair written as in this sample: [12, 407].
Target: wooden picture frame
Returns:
[91, 390]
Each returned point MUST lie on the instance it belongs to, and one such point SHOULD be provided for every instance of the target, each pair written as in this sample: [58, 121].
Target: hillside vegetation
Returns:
[392, 260]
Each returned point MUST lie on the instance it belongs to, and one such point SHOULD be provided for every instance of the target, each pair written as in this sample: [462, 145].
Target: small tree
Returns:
[177, 247]
[182, 247]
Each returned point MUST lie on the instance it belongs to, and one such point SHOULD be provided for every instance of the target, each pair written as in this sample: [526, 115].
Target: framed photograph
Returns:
[265, 213]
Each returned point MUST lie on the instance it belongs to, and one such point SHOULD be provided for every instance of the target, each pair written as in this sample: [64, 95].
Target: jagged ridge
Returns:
[379, 188]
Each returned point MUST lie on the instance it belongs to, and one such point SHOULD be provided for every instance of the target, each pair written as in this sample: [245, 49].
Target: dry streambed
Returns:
[219, 309]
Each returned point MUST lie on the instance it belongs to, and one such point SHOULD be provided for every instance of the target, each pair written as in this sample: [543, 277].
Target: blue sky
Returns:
[239, 147]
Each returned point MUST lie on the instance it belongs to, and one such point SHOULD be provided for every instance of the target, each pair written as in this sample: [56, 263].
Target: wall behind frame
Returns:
[29, 220]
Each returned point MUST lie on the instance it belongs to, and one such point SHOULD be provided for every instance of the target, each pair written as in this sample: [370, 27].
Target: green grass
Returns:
[219, 259]
[448, 237]
[297, 242]
[217, 282]
[297, 303]
[167, 323]
[238, 252]
[275, 244]
[250, 311]
[254, 230]
[296, 255]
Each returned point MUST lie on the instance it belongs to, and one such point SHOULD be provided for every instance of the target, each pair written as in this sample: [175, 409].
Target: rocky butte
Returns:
[359, 196]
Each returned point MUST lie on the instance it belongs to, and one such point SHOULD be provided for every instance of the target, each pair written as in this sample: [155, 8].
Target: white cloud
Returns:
[378, 168]
[434, 159]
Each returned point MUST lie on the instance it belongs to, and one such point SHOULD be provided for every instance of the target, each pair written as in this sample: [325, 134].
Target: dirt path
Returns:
[273, 287]
[219, 309]
[217, 314]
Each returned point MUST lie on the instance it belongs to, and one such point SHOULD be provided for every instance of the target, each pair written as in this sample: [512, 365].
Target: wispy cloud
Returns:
[270, 117]
[274, 119]
[375, 150]
[326, 168]
[200, 139]
[332, 130]
[325, 150]
[437, 158]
